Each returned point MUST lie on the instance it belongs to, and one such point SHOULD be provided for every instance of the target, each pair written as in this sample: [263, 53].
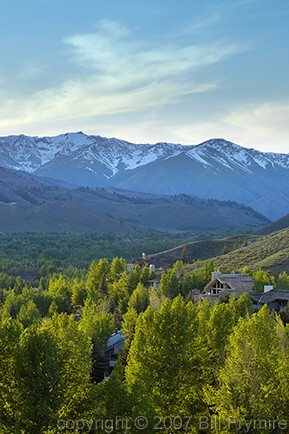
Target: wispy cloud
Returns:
[267, 123]
[263, 126]
[118, 58]
[117, 73]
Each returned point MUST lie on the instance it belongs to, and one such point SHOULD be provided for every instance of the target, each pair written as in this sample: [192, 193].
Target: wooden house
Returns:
[222, 285]
[276, 299]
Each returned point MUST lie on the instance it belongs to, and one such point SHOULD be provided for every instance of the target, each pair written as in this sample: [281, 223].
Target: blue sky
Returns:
[181, 71]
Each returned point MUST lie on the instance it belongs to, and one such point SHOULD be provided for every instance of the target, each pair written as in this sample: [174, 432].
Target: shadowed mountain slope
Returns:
[29, 205]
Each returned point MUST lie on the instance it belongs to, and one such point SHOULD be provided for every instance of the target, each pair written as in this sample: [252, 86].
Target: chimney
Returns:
[268, 288]
[215, 274]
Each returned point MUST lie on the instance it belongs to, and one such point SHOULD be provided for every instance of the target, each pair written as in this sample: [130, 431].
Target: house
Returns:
[228, 284]
[276, 299]
[155, 283]
[114, 347]
[221, 285]
[156, 272]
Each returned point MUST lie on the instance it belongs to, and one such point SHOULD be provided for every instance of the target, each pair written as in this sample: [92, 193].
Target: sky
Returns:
[147, 71]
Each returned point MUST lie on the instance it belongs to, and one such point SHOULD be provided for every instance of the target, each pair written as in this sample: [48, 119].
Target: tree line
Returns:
[185, 367]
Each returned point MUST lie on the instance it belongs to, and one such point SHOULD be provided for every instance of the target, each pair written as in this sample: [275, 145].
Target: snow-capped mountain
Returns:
[32, 153]
[213, 169]
[232, 156]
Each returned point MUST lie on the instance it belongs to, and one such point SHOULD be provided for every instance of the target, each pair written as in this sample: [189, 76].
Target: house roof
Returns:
[273, 295]
[114, 340]
[238, 283]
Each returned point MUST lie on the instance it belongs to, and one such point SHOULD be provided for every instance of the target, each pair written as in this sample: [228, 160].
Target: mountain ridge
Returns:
[216, 168]
[69, 143]
[30, 204]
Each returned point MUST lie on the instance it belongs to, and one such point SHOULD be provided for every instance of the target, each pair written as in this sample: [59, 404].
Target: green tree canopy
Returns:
[249, 379]
[165, 359]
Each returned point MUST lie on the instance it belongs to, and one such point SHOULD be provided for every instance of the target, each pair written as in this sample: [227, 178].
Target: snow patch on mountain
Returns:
[114, 155]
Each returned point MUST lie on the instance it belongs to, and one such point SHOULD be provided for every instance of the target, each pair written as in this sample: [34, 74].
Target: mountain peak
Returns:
[216, 168]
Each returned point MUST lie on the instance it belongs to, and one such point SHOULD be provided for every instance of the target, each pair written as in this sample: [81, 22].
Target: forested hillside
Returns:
[181, 369]
[43, 253]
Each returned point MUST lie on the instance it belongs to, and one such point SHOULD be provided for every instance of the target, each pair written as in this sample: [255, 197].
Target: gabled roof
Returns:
[273, 295]
[238, 283]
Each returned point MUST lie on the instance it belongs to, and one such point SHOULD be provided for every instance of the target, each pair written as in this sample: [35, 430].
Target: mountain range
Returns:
[29, 203]
[216, 169]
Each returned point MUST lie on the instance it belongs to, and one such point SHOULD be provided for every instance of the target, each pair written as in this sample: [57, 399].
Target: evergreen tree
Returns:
[207, 270]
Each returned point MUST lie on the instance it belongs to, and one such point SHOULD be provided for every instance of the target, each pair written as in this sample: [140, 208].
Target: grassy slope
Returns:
[270, 253]
[202, 250]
